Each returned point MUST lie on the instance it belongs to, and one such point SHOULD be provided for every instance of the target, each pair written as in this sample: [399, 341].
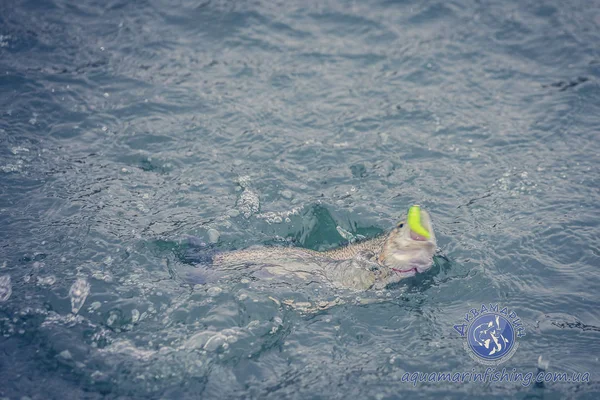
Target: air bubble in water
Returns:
[233, 213]
[46, 281]
[214, 291]
[78, 293]
[112, 318]
[66, 354]
[213, 235]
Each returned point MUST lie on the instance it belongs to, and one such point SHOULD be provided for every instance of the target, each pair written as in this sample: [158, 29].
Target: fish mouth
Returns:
[417, 237]
[411, 271]
[405, 272]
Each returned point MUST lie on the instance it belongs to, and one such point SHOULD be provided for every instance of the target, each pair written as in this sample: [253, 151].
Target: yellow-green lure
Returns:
[414, 222]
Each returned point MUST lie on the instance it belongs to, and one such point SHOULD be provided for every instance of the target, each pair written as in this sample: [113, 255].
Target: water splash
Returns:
[4, 40]
[5, 287]
[46, 281]
[213, 235]
[272, 217]
[248, 203]
[344, 233]
[79, 292]
[349, 236]
[19, 149]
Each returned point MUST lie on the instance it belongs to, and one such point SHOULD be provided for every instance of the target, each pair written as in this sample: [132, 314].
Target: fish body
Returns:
[369, 264]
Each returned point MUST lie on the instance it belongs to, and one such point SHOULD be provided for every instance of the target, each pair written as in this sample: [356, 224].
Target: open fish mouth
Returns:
[415, 236]
[411, 271]
[419, 264]
[405, 272]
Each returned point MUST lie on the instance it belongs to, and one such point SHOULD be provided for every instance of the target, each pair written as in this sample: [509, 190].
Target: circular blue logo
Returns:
[491, 337]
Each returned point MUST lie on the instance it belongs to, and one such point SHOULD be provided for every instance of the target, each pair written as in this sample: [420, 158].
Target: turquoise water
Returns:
[129, 129]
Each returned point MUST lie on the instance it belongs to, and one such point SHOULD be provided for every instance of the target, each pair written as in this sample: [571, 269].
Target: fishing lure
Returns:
[414, 222]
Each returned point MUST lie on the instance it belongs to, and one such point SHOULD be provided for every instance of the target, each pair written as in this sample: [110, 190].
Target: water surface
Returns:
[127, 127]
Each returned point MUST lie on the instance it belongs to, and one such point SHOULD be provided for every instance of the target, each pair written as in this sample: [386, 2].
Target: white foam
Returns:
[248, 203]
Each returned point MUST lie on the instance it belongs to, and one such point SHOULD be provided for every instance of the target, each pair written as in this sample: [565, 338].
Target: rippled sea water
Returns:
[130, 128]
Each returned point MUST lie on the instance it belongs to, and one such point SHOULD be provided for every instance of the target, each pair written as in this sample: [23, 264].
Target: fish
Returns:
[406, 250]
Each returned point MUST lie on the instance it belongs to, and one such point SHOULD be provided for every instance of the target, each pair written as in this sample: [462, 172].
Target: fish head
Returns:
[410, 246]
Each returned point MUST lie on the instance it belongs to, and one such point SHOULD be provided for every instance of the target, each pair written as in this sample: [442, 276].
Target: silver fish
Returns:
[370, 264]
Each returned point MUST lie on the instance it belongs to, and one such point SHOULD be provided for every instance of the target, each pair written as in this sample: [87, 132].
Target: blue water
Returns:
[129, 128]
